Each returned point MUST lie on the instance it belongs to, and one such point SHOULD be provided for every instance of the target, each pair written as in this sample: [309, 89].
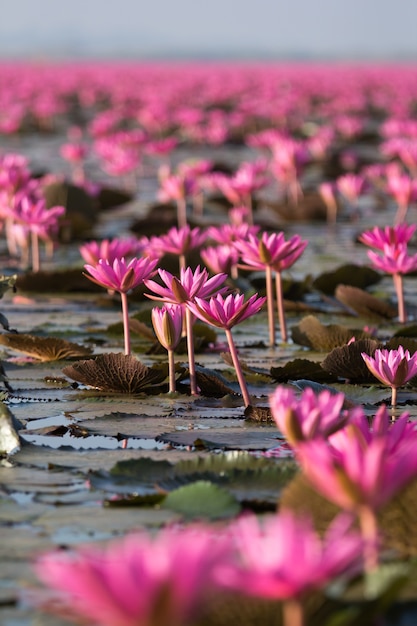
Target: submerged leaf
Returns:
[202, 500]
[44, 348]
[117, 373]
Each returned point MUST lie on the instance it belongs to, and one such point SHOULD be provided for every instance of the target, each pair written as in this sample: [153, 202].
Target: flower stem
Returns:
[270, 304]
[393, 396]
[293, 613]
[369, 528]
[35, 251]
[171, 369]
[126, 328]
[280, 305]
[181, 212]
[398, 284]
[238, 368]
[190, 348]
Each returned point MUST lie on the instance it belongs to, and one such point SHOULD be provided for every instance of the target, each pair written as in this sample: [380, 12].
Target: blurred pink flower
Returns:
[310, 416]
[139, 580]
[282, 557]
[221, 259]
[389, 236]
[111, 249]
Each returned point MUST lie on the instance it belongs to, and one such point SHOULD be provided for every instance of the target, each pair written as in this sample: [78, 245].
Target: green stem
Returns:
[238, 368]
[171, 369]
[270, 304]
[293, 613]
[280, 305]
[126, 328]
[190, 348]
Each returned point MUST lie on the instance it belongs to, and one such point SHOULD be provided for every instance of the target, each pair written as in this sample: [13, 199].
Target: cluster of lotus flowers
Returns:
[138, 116]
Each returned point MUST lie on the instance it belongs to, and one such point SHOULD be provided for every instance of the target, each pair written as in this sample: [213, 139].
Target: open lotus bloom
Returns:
[393, 368]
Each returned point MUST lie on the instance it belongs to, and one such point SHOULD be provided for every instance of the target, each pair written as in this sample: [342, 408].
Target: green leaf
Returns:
[202, 500]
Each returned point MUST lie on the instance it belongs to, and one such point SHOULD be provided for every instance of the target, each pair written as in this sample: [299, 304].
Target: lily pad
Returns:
[202, 500]
[302, 368]
[350, 274]
[364, 304]
[44, 348]
[346, 361]
[312, 333]
[117, 373]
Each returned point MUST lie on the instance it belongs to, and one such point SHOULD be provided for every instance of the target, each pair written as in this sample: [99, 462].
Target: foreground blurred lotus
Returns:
[167, 323]
[122, 277]
[138, 581]
[393, 368]
[181, 291]
[313, 415]
[361, 470]
[395, 260]
[283, 558]
[225, 313]
[390, 235]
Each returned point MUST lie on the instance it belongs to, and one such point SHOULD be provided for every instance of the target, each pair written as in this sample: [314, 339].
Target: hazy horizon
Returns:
[359, 29]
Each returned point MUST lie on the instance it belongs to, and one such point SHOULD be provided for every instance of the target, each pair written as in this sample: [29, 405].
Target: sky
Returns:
[300, 29]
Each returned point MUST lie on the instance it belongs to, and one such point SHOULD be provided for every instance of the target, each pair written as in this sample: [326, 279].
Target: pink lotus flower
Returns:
[403, 189]
[395, 260]
[221, 259]
[137, 581]
[312, 415]
[361, 470]
[178, 241]
[226, 313]
[167, 323]
[351, 186]
[393, 368]
[269, 253]
[389, 236]
[326, 191]
[110, 250]
[185, 288]
[122, 277]
[181, 291]
[283, 558]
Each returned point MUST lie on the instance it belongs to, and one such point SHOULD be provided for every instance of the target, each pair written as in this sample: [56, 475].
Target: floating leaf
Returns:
[350, 274]
[202, 500]
[117, 373]
[255, 439]
[302, 368]
[312, 333]
[44, 348]
[133, 476]
[62, 281]
[346, 362]
[406, 342]
[260, 414]
[364, 304]
[212, 384]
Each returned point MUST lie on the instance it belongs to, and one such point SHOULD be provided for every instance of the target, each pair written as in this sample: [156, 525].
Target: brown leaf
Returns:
[312, 333]
[347, 362]
[364, 304]
[118, 373]
[44, 348]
